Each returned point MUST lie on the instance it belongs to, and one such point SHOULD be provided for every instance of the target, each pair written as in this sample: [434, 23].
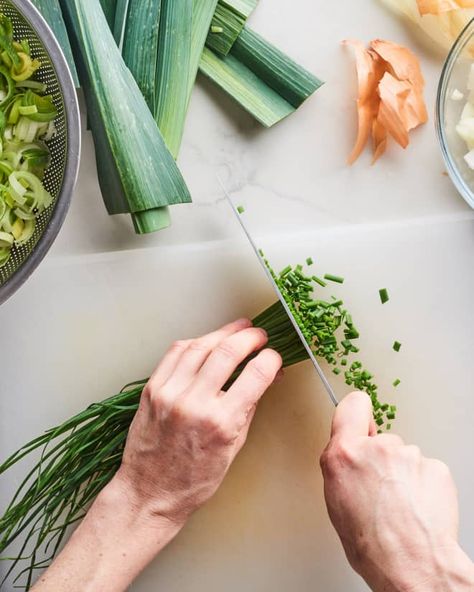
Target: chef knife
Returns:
[315, 362]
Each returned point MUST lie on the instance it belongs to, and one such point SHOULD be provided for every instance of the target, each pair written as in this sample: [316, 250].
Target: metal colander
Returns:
[61, 175]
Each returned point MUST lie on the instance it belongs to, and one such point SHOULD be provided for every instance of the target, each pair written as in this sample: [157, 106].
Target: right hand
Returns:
[395, 511]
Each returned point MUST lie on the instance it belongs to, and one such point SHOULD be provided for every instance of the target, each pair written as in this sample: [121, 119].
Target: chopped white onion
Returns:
[469, 158]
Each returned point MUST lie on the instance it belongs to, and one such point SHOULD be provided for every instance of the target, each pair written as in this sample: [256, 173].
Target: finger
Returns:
[226, 357]
[373, 429]
[354, 416]
[244, 431]
[168, 363]
[248, 389]
[197, 353]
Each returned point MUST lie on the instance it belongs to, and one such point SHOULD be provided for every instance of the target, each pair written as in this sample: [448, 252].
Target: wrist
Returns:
[444, 568]
[138, 514]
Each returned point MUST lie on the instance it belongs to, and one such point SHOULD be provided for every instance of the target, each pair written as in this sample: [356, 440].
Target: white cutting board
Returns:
[84, 326]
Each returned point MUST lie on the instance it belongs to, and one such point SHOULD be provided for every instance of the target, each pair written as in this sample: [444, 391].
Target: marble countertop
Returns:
[96, 314]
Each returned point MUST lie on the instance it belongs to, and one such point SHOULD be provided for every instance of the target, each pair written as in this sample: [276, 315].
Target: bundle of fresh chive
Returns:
[138, 82]
[79, 457]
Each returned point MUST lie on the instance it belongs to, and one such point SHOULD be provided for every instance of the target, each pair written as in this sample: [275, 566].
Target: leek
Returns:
[238, 81]
[137, 173]
[263, 80]
[109, 7]
[79, 457]
[203, 11]
[120, 22]
[173, 70]
[140, 44]
[228, 22]
[163, 27]
[26, 122]
[51, 12]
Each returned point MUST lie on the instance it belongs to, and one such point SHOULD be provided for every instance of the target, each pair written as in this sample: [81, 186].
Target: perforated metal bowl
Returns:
[61, 175]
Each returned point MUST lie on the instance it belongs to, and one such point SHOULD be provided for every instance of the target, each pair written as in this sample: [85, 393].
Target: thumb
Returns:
[354, 416]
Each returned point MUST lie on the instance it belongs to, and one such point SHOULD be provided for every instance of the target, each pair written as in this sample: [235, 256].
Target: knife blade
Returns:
[312, 357]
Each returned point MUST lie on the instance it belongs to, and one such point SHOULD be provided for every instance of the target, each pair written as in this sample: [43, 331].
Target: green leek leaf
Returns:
[172, 72]
[262, 79]
[229, 20]
[109, 7]
[245, 87]
[51, 12]
[281, 73]
[136, 170]
[140, 45]
[120, 23]
[203, 11]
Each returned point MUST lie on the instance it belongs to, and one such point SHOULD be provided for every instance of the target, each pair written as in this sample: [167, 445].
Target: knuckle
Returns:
[199, 346]
[227, 351]
[180, 413]
[215, 426]
[179, 345]
[413, 452]
[440, 468]
[385, 444]
[339, 453]
[259, 372]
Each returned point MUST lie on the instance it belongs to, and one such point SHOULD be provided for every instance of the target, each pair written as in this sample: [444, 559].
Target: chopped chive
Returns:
[319, 281]
[285, 271]
[397, 382]
[344, 362]
[384, 297]
[240, 209]
[397, 346]
[215, 29]
[337, 371]
[391, 415]
[334, 278]
[389, 427]
[309, 261]
[379, 421]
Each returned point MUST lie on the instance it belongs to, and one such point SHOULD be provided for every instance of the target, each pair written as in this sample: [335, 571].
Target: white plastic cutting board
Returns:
[86, 325]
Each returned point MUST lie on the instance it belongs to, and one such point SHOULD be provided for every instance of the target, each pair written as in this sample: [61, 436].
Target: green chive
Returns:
[309, 261]
[334, 278]
[397, 346]
[336, 371]
[384, 297]
[319, 281]
[397, 382]
[241, 209]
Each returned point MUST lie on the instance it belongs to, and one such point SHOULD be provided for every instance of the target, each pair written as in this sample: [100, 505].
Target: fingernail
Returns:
[244, 322]
[264, 333]
[280, 375]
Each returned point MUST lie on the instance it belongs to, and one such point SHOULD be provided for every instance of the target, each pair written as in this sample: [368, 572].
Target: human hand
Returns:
[187, 430]
[395, 511]
[184, 437]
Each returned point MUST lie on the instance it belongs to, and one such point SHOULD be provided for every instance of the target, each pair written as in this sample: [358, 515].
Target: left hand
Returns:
[188, 430]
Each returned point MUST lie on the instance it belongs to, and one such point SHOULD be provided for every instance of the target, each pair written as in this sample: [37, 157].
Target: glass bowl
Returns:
[454, 79]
